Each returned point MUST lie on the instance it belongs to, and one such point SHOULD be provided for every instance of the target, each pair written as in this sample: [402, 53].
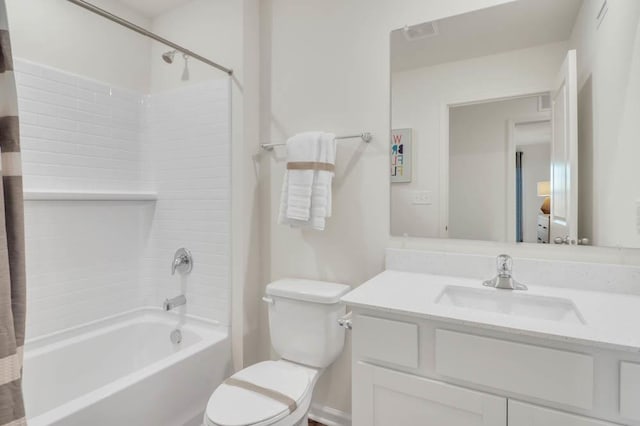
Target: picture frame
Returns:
[401, 155]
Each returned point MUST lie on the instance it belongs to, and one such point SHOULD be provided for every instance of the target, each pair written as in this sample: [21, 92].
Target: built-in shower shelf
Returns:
[90, 196]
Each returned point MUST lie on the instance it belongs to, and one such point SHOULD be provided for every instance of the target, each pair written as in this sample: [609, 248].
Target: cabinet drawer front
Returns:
[549, 374]
[630, 390]
[521, 414]
[385, 340]
[390, 398]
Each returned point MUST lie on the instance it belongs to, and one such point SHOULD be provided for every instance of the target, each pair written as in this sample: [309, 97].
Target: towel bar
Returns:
[366, 137]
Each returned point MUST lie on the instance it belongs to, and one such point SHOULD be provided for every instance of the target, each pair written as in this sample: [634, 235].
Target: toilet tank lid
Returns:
[308, 290]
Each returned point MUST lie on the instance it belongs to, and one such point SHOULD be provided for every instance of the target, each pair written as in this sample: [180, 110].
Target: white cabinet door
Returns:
[383, 397]
[521, 414]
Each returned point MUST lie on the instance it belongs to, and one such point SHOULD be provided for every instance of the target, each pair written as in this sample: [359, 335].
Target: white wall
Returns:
[418, 99]
[79, 135]
[211, 28]
[478, 167]
[326, 66]
[609, 80]
[87, 260]
[227, 32]
[302, 90]
[187, 156]
[69, 38]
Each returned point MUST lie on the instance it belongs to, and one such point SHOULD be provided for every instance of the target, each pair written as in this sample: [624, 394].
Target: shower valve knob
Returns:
[182, 261]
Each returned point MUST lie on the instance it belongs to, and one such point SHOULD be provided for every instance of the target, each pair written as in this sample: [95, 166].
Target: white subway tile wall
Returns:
[85, 258]
[83, 261]
[78, 134]
[188, 157]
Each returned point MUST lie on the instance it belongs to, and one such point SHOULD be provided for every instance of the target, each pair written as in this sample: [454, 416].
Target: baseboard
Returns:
[329, 416]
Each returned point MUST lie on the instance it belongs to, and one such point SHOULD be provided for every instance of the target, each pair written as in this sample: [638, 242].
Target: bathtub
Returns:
[125, 371]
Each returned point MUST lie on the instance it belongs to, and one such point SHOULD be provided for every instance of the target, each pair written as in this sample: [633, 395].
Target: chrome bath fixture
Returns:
[173, 303]
[504, 279]
[176, 336]
[168, 56]
[182, 261]
[366, 138]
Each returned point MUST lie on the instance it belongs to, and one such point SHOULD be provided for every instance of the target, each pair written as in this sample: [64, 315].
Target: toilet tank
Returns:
[303, 320]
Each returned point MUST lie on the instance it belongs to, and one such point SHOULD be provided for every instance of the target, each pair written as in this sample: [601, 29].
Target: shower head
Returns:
[168, 56]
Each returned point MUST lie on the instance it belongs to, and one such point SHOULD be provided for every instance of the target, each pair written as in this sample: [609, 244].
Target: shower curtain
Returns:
[12, 268]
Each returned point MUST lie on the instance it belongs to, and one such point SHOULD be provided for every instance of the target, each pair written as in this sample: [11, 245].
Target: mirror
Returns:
[519, 123]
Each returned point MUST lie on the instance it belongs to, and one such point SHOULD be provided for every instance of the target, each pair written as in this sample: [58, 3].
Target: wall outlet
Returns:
[422, 197]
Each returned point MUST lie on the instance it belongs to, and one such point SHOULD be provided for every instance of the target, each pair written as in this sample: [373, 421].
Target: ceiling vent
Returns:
[420, 31]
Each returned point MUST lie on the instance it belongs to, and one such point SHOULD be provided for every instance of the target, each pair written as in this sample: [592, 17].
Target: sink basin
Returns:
[511, 303]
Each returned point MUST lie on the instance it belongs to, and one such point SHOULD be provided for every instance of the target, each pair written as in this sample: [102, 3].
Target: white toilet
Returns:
[303, 321]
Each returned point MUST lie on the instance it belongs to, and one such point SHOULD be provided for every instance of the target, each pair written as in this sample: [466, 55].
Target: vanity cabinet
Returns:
[522, 414]
[386, 397]
[418, 371]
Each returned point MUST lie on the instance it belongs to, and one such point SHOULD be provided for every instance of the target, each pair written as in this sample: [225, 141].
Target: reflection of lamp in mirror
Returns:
[544, 190]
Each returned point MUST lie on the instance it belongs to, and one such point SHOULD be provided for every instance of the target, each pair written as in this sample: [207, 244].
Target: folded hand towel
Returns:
[301, 148]
[323, 178]
[306, 190]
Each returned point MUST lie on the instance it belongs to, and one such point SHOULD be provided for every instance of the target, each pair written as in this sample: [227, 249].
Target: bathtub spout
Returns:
[170, 304]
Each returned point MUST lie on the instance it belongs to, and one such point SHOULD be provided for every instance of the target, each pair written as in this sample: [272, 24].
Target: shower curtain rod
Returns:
[118, 20]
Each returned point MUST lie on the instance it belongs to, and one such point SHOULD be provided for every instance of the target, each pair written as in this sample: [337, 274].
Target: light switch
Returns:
[422, 197]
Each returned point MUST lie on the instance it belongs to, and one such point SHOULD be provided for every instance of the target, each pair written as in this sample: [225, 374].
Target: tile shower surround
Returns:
[90, 259]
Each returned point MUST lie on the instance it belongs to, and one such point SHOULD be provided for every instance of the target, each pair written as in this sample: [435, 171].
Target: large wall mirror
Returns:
[519, 123]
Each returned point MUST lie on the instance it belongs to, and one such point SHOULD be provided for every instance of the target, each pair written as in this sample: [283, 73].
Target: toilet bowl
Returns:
[234, 406]
[303, 322]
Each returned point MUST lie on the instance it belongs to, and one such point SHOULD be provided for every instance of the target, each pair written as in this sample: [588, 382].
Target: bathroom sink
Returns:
[511, 303]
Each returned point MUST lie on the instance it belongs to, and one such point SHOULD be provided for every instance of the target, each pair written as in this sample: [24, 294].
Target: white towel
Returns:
[306, 194]
[303, 147]
[321, 191]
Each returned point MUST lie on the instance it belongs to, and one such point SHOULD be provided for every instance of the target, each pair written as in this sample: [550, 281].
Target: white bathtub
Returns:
[124, 370]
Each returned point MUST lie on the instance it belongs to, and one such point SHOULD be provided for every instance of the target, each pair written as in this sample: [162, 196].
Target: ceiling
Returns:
[153, 8]
[515, 25]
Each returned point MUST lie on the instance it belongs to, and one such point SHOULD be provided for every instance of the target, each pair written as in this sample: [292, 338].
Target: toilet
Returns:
[303, 322]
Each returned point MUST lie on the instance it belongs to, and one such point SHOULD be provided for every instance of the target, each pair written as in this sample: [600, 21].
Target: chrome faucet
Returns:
[182, 261]
[170, 304]
[504, 279]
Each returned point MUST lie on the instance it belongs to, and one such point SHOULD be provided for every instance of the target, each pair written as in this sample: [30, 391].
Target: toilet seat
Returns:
[236, 406]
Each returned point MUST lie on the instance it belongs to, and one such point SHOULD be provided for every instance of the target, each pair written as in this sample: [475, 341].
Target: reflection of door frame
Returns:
[511, 166]
[445, 107]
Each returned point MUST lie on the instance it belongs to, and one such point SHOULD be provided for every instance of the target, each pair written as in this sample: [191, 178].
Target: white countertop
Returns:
[611, 320]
